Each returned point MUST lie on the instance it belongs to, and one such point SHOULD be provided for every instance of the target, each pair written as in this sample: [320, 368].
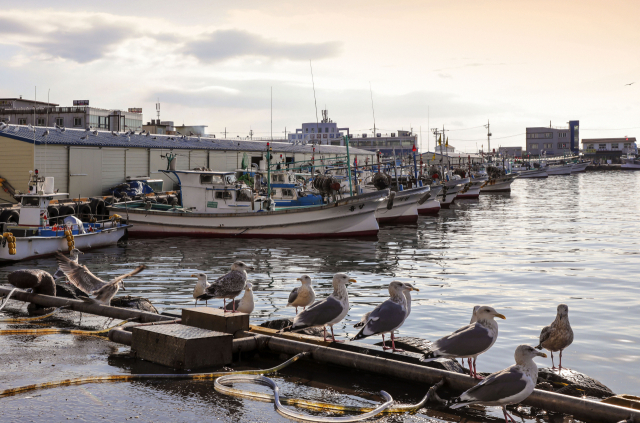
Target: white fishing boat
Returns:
[29, 232]
[216, 204]
[558, 169]
[432, 205]
[630, 163]
[579, 167]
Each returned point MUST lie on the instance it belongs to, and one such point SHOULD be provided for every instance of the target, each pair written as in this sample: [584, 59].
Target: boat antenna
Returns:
[373, 110]
[314, 95]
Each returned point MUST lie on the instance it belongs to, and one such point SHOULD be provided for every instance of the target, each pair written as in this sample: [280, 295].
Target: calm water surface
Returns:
[567, 239]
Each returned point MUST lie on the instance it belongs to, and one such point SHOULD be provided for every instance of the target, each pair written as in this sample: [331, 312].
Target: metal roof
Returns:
[73, 137]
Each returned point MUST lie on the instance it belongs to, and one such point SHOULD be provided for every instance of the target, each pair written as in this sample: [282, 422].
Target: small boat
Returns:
[216, 204]
[630, 163]
[579, 167]
[29, 232]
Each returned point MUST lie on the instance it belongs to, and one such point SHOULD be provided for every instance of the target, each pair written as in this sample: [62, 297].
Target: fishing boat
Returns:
[216, 204]
[630, 163]
[579, 167]
[431, 206]
[29, 232]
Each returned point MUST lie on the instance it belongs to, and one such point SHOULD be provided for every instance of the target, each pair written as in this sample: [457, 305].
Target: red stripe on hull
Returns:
[150, 234]
[432, 210]
[399, 219]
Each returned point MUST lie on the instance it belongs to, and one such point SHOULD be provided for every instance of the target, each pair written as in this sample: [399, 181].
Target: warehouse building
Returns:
[86, 165]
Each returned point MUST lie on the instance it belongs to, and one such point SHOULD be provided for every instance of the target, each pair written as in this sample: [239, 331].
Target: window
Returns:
[77, 121]
[602, 146]
[223, 195]
[40, 121]
[22, 121]
[614, 146]
[547, 146]
[60, 121]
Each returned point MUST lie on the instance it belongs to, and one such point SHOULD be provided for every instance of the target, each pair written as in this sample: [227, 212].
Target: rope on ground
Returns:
[6, 300]
[31, 319]
[128, 378]
[49, 331]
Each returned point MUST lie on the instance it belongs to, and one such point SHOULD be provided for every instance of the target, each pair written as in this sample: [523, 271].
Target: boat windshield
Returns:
[30, 201]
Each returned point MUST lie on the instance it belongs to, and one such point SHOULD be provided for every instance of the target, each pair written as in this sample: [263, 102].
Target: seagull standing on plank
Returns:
[469, 341]
[327, 312]
[509, 386]
[228, 286]
[388, 316]
[303, 295]
[90, 284]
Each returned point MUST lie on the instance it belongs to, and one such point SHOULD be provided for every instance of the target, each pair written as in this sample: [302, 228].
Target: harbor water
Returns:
[566, 239]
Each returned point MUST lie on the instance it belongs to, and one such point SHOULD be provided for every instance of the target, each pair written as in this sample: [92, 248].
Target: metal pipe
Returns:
[78, 305]
[582, 409]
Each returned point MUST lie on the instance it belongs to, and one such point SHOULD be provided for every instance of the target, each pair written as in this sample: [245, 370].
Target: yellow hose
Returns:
[32, 319]
[128, 378]
[49, 331]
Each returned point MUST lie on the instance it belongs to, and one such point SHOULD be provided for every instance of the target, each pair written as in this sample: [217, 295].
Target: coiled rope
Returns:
[129, 378]
[48, 331]
[262, 380]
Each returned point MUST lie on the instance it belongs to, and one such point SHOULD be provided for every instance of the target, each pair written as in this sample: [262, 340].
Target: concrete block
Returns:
[215, 319]
[181, 347]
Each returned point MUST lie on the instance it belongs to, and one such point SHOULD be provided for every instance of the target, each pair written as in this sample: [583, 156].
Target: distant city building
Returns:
[327, 132]
[21, 111]
[510, 152]
[553, 141]
[608, 148]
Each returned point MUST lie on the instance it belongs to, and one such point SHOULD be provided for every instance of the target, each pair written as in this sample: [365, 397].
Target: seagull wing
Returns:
[79, 275]
[466, 341]
[385, 318]
[498, 386]
[319, 314]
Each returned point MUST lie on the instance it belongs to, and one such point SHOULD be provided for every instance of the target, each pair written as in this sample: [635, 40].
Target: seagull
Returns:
[558, 335]
[630, 83]
[303, 295]
[244, 304]
[468, 341]
[74, 257]
[200, 287]
[227, 286]
[90, 284]
[327, 312]
[407, 296]
[509, 386]
[388, 316]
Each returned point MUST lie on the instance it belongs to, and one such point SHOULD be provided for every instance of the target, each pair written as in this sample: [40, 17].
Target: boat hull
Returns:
[37, 246]
[405, 207]
[354, 216]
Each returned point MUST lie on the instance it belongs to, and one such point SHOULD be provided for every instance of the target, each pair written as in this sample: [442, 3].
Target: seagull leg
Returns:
[384, 346]
[333, 336]
[393, 345]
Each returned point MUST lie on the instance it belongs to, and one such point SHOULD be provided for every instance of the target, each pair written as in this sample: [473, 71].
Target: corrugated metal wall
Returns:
[137, 161]
[16, 160]
[57, 165]
[198, 158]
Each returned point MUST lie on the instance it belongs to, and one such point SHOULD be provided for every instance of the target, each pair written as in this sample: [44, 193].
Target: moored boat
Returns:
[215, 204]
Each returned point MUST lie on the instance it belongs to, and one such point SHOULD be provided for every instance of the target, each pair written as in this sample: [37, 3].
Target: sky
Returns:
[246, 65]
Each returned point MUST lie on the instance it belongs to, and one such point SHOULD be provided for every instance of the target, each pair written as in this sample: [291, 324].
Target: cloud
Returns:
[82, 45]
[225, 44]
